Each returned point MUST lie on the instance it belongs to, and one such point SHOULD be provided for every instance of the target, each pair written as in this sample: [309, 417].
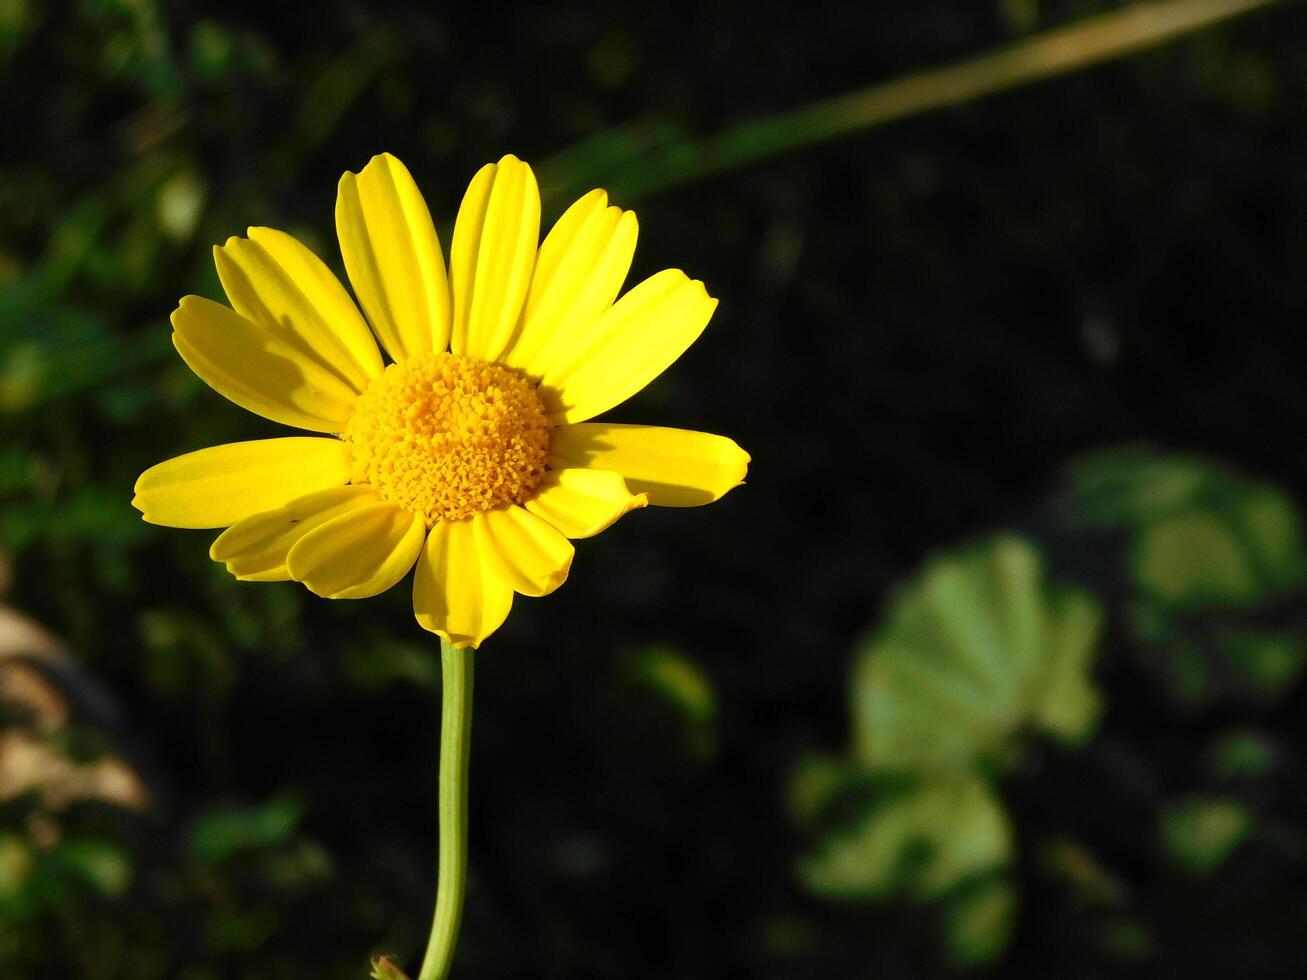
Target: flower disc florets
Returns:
[446, 436]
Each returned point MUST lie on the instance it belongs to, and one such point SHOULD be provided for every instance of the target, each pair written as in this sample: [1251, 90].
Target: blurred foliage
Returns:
[982, 640]
[975, 650]
[1103, 772]
[1202, 833]
[1204, 570]
[924, 838]
[1201, 536]
[1217, 569]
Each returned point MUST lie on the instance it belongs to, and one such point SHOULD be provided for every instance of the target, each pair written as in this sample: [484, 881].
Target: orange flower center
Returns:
[446, 436]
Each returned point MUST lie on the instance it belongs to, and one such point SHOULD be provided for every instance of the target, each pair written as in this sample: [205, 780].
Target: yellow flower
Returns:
[470, 455]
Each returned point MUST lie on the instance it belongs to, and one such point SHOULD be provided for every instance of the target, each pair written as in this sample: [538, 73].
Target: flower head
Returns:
[471, 455]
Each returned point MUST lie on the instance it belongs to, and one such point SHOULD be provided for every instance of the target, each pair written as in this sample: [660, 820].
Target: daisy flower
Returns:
[470, 454]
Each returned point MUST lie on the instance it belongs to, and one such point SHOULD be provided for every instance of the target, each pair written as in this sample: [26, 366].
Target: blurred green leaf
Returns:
[1072, 863]
[815, 782]
[14, 19]
[923, 840]
[979, 923]
[1209, 553]
[1243, 753]
[1200, 833]
[679, 681]
[1192, 559]
[211, 49]
[102, 864]
[976, 648]
[1202, 535]
[51, 349]
[297, 865]
[179, 203]
[220, 836]
[1131, 486]
[16, 866]
[681, 685]
[1269, 662]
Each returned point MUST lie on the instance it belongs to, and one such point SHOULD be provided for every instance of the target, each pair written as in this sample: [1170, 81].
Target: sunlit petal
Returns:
[358, 554]
[251, 367]
[455, 594]
[274, 280]
[221, 485]
[630, 345]
[580, 503]
[393, 257]
[579, 272]
[675, 467]
[255, 549]
[492, 255]
[523, 550]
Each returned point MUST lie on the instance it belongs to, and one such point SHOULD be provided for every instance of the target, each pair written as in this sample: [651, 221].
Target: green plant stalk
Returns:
[455, 752]
[641, 159]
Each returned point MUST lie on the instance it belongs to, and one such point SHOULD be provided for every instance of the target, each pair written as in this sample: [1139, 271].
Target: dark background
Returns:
[919, 327]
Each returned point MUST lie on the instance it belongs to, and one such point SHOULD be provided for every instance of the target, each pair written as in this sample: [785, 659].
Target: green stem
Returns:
[455, 746]
[642, 159]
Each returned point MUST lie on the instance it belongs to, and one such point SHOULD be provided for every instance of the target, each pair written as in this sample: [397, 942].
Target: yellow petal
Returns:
[278, 283]
[522, 549]
[358, 554]
[393, 257]
[492, 255]
[630, 345]
[579, 272]
[675, 467]
[255, 549]
[455, 594]
[221, 485]
[582, 502]
[246, 364]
